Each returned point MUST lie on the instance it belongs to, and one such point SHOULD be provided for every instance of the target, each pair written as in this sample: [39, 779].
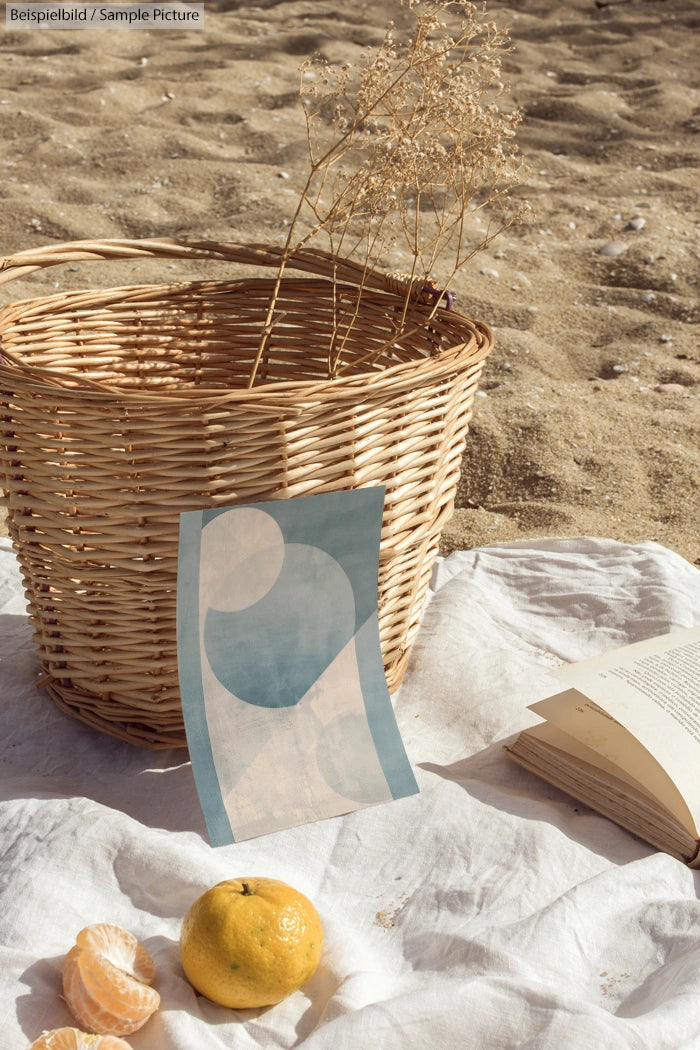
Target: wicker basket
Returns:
[123, 407]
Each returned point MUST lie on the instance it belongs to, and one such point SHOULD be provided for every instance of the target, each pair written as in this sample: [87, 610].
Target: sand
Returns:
[588, 417]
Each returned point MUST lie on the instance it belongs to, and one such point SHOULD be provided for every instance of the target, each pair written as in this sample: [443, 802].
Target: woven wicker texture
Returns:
[123, 407]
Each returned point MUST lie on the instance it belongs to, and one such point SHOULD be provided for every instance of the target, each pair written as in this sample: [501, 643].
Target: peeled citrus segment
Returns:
[107, 979]
[74, 1039]
[250, 942]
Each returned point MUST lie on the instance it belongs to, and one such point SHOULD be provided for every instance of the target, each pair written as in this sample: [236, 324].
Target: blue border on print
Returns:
[388, 743]
[190, 674]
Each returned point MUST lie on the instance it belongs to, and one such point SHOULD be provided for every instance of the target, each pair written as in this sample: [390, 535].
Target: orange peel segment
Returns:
[107, 979]
[74, 1039]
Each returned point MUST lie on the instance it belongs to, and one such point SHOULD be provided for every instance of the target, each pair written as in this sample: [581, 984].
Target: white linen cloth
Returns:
[489, 911]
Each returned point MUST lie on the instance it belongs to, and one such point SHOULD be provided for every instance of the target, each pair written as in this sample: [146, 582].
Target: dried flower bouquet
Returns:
[405, 148]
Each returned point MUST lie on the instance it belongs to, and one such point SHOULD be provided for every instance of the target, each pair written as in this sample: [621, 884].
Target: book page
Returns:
[582, 773]
[653, 689]
[593, 735]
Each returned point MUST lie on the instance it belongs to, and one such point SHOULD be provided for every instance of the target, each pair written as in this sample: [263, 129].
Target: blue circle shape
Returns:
[347, 760]
[271, 653]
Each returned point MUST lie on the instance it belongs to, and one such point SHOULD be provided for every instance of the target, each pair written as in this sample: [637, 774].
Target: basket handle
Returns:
[323, 264]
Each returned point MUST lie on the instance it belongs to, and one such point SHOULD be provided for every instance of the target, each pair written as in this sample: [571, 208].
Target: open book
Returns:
[624, 738]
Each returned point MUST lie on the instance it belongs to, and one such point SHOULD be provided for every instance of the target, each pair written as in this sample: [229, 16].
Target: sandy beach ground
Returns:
[588, 417]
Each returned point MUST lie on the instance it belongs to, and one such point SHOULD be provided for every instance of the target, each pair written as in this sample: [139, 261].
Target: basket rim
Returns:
[445, 363]
[466, 353]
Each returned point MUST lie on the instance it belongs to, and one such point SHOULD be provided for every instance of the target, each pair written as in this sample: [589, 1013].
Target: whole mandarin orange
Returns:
[250, 942]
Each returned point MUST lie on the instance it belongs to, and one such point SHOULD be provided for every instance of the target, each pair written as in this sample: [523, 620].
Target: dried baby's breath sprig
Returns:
[406, 147]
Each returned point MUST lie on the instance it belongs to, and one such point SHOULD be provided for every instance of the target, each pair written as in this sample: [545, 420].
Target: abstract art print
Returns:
[287, 712]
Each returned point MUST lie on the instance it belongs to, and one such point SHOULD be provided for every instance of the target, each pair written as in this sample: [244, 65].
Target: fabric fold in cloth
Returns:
[489, 910]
